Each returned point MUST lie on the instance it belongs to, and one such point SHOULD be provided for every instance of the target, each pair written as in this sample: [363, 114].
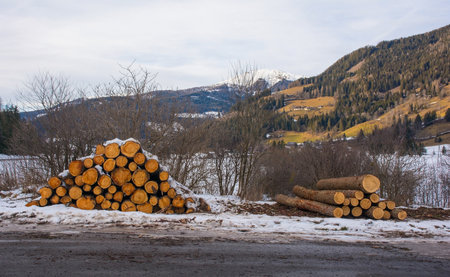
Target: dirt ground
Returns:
[277, 209]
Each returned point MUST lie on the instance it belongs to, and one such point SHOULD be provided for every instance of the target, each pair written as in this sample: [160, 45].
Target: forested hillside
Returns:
[372, 80]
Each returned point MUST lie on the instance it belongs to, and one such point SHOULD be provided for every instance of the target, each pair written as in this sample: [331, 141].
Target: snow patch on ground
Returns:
[222, 218]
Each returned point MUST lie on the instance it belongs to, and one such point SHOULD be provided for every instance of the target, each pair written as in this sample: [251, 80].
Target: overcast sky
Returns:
[192, 43]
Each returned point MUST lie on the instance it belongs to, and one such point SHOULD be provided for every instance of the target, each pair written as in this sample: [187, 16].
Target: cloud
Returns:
[191, 43]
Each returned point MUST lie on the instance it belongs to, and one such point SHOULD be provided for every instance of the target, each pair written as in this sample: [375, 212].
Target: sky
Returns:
[193, 43]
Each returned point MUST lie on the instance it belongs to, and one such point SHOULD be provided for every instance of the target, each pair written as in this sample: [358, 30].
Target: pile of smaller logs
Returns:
[119, 176]
[346, 196]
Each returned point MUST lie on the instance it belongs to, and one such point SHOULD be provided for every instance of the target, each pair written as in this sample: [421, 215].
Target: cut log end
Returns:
[178, 201]
[399, 214]
[345, 210]
[128, 206]
[390, 204]
[374, 198]
[99, 149]
[99, 159]
[54, 182]
[140, 177]
[151, 187]
[163, 176]
[386, 215]
[85, 203]
[88, 163]
[90, 176]
[375, 213]
[104, 181]
[139, 196]
[121, 176]
[75, 168]
[370, 183]
[75, 193]
[339, 198]
[130, 148]
[121, 161]
[356, 211]
[139, 158]
[365, 203]
[354, 202]
[338, 212]
[151, 165]
[112, 150]
[61, 191]
[109, 165]
[145, 208]
[45, 192]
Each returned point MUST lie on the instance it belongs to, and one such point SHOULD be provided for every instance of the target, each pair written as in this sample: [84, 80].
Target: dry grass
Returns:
[310, 107]
[357, 66]
[300, 137]
[293, 90]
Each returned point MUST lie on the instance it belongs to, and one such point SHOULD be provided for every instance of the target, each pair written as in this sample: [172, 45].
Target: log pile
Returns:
[345, 196]
[120, 175]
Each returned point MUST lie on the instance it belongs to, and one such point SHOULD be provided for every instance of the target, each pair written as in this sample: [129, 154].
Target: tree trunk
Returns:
[324, 196]
[367, 183]
[398, 214]
[309, 205]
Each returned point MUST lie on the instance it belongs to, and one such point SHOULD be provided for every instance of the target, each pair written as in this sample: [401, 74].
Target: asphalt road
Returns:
[116, 254]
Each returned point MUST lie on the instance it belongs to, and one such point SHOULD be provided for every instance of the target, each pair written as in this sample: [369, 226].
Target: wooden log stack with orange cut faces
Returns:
[120, 175]
[346, 196]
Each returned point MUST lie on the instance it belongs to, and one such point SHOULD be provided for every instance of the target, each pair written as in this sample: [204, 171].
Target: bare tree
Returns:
[62, 131]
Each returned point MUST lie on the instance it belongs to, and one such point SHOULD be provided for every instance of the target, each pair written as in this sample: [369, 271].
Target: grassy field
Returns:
[310, 107]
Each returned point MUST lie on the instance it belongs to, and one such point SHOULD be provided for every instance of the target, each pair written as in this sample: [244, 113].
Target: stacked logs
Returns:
[346, 196]
[118, 177]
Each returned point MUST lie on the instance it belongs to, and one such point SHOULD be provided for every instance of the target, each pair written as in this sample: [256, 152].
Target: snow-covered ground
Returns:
[223, 219]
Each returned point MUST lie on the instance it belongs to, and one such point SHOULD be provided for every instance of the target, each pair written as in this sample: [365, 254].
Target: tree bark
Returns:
[324, 196]
[358, 194]
[309, 205]
[367, 183]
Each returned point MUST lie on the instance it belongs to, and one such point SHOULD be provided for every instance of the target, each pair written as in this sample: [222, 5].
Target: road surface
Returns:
[42, 253]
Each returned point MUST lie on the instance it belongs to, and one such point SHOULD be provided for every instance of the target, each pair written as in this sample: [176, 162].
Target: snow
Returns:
[222, 219]
[272, 76]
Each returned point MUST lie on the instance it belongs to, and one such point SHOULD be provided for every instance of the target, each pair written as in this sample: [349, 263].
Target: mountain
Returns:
[393, 79]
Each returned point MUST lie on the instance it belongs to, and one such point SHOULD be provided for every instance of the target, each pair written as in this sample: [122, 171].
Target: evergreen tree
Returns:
[9, 118]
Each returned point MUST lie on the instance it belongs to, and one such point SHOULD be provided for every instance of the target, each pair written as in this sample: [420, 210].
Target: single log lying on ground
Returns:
[374, 213]
[130, 148]
[398, 214]
[309, 205]
[54, 182]
[367, 183]
[324, 196]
